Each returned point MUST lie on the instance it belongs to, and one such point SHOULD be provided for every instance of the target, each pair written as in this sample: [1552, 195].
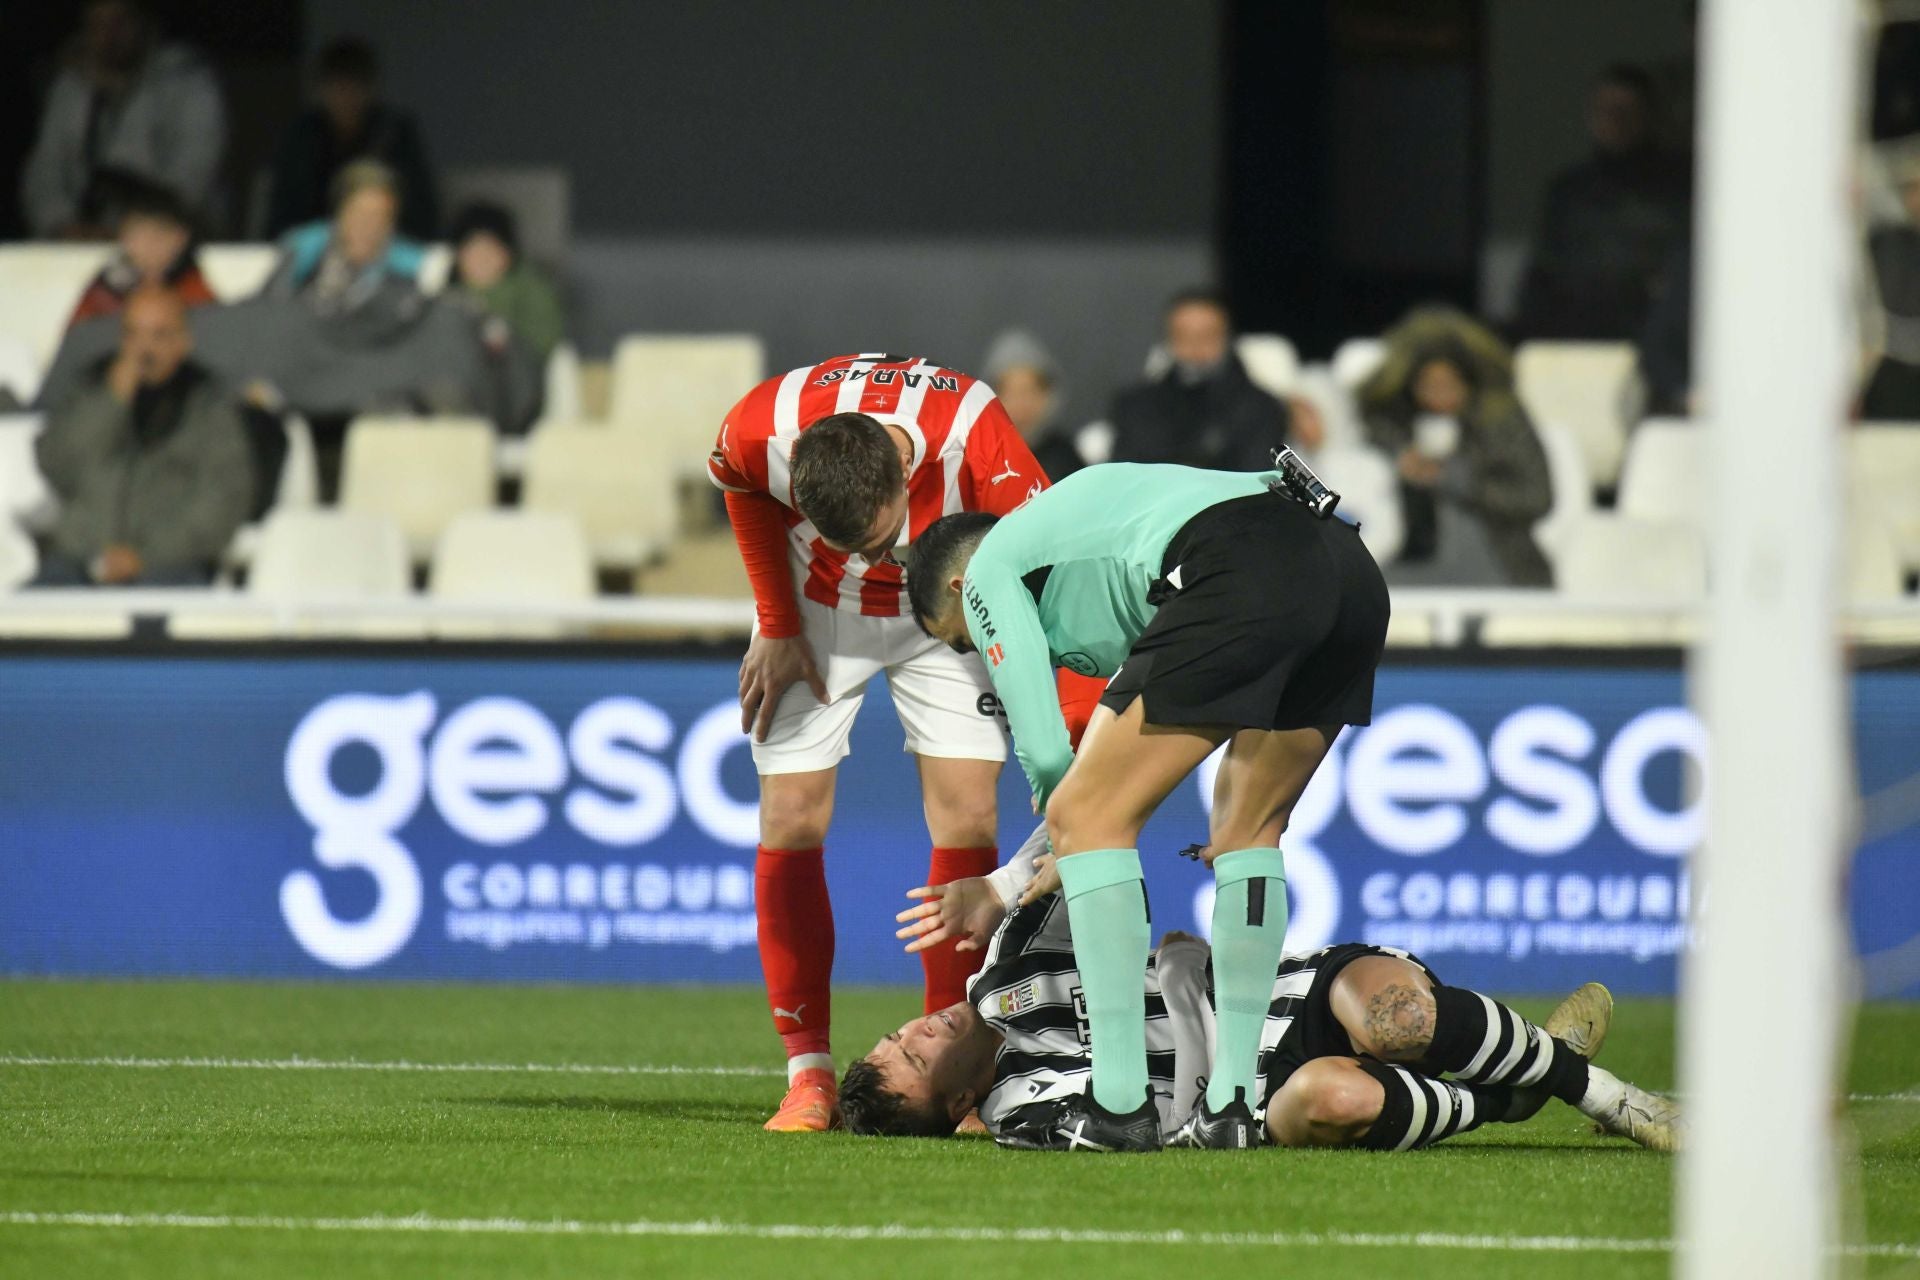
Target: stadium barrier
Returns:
[586, 812]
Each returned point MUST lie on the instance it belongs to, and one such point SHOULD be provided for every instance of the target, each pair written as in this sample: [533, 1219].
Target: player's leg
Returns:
[1125, 768]
[1344, 1102]
[952, 725]
[1261, 778]
[798, 764]
[959, 797]
[1394, 1011]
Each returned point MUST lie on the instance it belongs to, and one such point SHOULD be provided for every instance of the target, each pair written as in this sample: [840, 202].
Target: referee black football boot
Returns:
[1081, 1124]
[1230, 1127]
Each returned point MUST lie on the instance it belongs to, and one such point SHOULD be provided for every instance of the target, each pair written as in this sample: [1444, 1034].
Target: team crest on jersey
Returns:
[1017, 1000]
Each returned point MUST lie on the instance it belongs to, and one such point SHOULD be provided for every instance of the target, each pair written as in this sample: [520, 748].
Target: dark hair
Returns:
[1200, 296]
[139, 197]
[349, 58]
[934, 554]
[869, 1108]
[845, 468]
[485, 218]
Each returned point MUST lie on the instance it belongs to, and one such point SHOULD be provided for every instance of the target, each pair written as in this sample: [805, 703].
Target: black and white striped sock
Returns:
[1480, 1041]
[1420, 1110]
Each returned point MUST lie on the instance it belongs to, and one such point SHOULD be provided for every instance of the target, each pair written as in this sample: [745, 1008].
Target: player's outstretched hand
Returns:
[771, 665]
[1046, 880]
[966, 909]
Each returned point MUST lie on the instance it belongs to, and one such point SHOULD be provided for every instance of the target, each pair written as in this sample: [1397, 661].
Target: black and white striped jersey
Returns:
[1028, 989]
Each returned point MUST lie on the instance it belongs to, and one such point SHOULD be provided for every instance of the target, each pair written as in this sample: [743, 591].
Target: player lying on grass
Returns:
[1225, 609]
[1354, 1048]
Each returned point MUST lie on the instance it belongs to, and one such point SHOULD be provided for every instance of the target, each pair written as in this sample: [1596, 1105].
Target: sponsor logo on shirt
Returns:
[995, 654]
[884, 377]
[989, 705]
[1081, 664]
[977, 603]
[1011, 473]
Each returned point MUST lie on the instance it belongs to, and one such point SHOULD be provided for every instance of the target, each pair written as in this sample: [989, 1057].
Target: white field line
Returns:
[892, 1232]
[354, 1064]
[502, 1068]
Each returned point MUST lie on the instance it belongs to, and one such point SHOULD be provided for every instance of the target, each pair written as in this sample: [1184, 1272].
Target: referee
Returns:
[1225, 608]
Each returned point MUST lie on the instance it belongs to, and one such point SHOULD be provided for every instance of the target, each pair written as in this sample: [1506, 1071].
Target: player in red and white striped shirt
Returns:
[892, 444]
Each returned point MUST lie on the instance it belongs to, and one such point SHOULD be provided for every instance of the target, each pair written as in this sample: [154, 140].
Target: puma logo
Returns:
[778, 1012]
[1011, 473]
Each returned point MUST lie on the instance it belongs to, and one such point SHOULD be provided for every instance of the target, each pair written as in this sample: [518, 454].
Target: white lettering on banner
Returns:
[494, 770]
[1410, 781]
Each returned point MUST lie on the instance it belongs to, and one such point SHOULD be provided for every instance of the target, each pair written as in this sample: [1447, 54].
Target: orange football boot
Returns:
[812, 1104]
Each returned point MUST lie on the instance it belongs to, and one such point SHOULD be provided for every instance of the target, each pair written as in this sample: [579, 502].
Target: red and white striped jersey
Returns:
[967, 456]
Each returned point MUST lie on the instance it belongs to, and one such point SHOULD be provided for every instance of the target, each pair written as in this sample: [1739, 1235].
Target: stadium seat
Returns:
[1355, 360]
[25, 498]
[1874, 573]
[1587, 387]
[1271, 362]
[1664, 473]
[1616, 559]
[1883, 466]
[1338, 413]
[1369, 492]
[421, 472]
[19, 373]
[511, 558]
[540, 198]
[676, 390]
[39, 285]
[436, 266]
[237, 271]
[563, 401]
[19, 561]
[1572, 490]
[304, 556]
[609, 481]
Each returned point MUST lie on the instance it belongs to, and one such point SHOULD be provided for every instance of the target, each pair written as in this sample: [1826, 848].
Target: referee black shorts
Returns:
[1269, 618]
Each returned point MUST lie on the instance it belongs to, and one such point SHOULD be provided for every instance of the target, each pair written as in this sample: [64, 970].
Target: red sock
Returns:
[947, 969]
[796, 945]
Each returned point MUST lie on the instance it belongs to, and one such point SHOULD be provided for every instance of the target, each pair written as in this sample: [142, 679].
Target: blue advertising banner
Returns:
[592, 818]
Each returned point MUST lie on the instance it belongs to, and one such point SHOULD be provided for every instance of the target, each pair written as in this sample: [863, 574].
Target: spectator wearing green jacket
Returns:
[149, 460]
[488, 270]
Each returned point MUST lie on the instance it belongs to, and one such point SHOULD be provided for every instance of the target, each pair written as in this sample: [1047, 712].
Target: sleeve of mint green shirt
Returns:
[1005, 626]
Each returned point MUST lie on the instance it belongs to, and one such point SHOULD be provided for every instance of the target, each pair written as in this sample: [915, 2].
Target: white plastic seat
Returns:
[25, 498]
[1664, 475]
[1874, 572]
[1614, 558]
[1271, 361]
[1369, 492]
[1572, 490]
[511, 558]
[563, 401]
[1883, 476]
[330, 554]
[19, 560]
[20, 373]
[421, 472]
[238, 270]
[1586, 387]
[677, 390]
[610, 481]
[1355, 360]
[39, 285]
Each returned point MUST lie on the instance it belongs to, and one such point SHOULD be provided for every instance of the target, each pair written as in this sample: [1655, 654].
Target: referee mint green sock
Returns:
[1249, 930]
[1107, 907]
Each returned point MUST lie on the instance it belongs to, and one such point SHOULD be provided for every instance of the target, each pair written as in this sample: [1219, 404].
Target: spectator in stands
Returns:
[1893, 390]
[489, 272]
[349, 123]
[1473, 474]
[156, 247]
[1204, 411]
[149, 460]
[1609, 223]
[354, 265]
[1023, 374]
[127, 106]
[1666, 340]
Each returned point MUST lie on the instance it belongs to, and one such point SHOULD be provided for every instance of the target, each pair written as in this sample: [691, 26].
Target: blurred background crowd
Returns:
[340, 283]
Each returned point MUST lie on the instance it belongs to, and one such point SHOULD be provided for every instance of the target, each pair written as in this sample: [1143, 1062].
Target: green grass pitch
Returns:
[168, 1168]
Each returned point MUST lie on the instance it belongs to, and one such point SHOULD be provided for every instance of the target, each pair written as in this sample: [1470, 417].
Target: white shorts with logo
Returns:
[944, 700]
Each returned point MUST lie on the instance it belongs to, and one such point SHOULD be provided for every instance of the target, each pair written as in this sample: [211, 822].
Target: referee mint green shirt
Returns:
[1101, 535]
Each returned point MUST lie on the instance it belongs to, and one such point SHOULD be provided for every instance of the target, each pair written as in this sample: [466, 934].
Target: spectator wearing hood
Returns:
[1610, 223]
[490, 273]
[347, 123]
[1204, 411]
[155, 240]
[127, 107]
[150, 461]
[1023, 374]
[1473, 474]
